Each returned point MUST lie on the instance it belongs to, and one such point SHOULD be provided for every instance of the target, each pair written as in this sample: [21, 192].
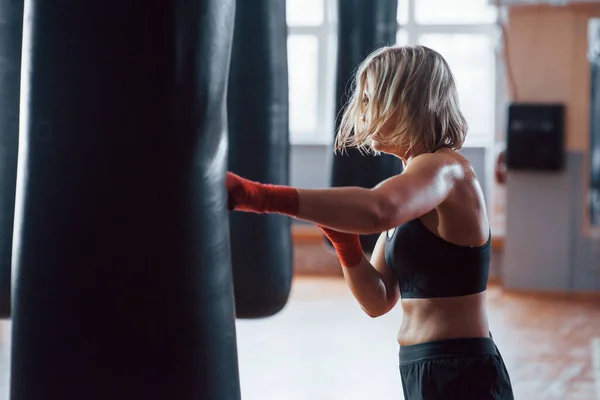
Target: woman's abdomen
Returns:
[426, 320]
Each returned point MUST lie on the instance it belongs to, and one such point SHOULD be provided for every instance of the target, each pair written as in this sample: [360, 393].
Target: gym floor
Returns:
[321, 346]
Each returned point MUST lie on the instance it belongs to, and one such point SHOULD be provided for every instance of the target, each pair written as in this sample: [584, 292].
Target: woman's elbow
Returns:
[384, 214]
[375, 313]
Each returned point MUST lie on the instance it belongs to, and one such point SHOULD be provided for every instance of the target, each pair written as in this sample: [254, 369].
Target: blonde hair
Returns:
[414, 86]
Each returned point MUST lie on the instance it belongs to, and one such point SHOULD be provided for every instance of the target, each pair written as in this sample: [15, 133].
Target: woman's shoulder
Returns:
[444, 161]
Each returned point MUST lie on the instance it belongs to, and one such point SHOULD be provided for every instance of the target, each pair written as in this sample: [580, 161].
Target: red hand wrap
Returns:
[346, 245]
[246, 195]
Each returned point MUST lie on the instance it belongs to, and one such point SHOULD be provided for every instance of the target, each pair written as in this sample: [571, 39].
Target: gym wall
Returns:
[549, 243]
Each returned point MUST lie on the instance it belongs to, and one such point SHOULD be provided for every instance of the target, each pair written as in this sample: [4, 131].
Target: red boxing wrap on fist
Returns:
[247, 195]
[346, 245]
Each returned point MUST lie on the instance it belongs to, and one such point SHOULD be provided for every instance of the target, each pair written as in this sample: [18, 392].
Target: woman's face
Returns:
[387, 129]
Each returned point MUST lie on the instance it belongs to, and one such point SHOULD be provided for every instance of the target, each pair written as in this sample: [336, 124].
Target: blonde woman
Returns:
[434, 250]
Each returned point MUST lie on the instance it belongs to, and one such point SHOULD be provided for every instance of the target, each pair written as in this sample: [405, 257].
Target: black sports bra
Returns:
[428, 266]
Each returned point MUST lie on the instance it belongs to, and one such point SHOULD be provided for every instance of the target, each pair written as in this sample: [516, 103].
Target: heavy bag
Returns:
[363, 27]
[123, 278]
[261, 245]
[11, 28]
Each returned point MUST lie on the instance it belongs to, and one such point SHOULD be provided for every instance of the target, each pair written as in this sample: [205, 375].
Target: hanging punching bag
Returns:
[123, 278]
[11, 28]
[363, 27]
[261, 245]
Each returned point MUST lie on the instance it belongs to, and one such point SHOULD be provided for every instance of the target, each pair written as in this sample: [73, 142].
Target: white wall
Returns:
[547, 244]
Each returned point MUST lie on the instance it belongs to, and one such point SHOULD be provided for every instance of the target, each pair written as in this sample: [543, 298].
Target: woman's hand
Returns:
[238, 191]
[246, 195]
[346, 245]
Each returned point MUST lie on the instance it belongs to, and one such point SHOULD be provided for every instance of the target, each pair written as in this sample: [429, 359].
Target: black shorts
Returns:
[466, 369]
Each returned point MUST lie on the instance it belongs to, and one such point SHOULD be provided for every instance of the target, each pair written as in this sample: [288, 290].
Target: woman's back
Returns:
[446, 262]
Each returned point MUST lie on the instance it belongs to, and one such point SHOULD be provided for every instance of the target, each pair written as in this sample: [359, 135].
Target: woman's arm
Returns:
[372, 283]
[423, 186]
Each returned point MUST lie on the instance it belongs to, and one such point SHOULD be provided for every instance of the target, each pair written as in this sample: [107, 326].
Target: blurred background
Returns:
[519, 65]
[528, 77]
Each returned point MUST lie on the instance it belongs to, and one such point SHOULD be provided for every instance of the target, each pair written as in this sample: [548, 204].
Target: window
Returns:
[303, 61]
[311, 70]
[463, 31]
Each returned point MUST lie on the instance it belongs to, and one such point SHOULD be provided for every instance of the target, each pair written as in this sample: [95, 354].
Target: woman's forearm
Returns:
[346, 209]
[368, 287]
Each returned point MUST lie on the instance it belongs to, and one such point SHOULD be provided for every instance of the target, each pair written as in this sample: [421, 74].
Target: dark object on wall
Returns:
[123, 279]
[363, 27]
[11, 28]
[261, 245]
[535, 138]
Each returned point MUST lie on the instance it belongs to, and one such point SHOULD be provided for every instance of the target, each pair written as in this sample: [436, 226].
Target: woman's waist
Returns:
[423, 321]
[440, 307]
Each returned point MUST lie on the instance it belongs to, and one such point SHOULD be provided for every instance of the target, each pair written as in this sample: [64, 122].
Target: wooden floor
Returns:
[323, 347]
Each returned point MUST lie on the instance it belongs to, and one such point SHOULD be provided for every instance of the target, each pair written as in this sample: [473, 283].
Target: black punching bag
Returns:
[363, 27]
[123, 279]
[11, 28]
[261, 245]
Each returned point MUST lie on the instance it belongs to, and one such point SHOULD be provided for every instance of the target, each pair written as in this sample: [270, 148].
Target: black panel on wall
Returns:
[535, 137]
